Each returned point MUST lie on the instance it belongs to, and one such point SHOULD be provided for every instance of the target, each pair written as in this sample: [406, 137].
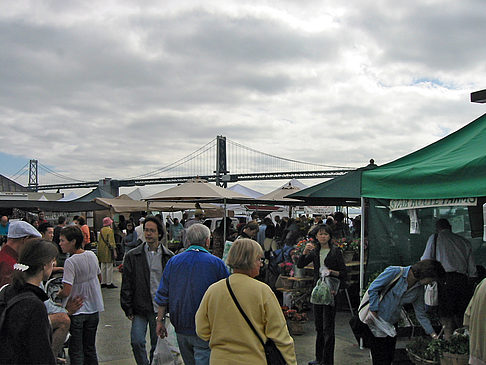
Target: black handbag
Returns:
[272, 353]
[361, 331]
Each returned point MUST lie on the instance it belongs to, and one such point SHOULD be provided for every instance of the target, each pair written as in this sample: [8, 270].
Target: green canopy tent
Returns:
[450, 172]
[453, 167]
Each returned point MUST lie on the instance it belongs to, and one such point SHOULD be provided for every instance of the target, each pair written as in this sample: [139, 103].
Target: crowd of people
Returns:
[217, 280]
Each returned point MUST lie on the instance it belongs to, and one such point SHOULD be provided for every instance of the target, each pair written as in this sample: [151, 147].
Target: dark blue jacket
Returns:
[186, 278]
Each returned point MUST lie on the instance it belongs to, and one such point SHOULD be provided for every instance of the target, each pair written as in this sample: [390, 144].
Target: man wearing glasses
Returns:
[142, 271]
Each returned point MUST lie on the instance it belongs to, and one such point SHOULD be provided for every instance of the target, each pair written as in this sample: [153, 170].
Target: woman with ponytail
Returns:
[25, 332]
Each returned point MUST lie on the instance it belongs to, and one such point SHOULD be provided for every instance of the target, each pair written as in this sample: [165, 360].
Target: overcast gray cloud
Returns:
[126, 87]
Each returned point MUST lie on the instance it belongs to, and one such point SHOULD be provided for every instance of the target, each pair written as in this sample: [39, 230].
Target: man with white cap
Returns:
[18, 233]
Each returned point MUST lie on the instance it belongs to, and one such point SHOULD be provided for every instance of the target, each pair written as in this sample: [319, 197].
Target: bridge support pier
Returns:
[110, 186]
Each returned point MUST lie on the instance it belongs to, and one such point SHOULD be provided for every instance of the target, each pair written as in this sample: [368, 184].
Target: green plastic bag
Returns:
[321, 294]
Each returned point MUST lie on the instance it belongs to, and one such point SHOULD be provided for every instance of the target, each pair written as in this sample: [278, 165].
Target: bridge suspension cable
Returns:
[187, 159]
[22, 171]
[52, 172]
[253, 157]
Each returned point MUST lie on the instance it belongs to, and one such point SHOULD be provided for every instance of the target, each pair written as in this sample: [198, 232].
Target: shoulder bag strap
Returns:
[389, 287]
[243, 313]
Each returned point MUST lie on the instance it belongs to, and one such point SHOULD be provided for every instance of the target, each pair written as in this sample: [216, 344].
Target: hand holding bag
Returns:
[272, 353]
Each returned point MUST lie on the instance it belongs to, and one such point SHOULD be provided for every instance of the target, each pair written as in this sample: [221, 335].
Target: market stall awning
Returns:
[125, 204]
[453, 167]
[342, 190]
[195, 190]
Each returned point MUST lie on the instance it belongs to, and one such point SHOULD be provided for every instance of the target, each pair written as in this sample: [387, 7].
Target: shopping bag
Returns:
[172, 342]
[321, 294]
[162, 353]
[431, 295]
[379, 327]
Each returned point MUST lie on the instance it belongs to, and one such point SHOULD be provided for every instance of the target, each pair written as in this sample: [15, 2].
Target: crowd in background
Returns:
[154, 285]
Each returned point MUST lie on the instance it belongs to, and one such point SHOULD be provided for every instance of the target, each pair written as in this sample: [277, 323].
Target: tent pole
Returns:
[361, 249]
[361, 258]
[224, 222]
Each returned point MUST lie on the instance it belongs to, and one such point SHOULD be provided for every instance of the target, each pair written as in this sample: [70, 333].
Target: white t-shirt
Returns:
[81, 271]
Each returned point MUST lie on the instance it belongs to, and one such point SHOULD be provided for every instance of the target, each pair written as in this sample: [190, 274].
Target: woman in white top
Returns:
[82, 278]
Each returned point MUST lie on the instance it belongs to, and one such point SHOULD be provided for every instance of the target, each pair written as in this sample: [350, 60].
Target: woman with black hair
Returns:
[25, 337]
[328, 261]
[82, 277]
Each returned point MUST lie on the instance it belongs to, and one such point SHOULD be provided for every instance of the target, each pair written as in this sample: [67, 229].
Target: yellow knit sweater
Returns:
[231, 339]
[475, 318]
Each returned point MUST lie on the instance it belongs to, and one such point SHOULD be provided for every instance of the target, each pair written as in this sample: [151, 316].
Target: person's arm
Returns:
[428, 249]
[341, 272]
[67, 280]
[73, 304]
[419, 308]
[65, 291]
[307, 256]
[160, 329]
[126, 291]
[162, 300]
[276, 328]
[471, 266]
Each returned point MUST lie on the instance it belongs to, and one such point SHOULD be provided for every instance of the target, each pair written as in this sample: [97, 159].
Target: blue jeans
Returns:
[82, 343]
[137, 337]
[194, 351]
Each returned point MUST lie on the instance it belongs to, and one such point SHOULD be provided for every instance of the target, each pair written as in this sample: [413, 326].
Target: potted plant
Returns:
[295, 320]
[454, 351]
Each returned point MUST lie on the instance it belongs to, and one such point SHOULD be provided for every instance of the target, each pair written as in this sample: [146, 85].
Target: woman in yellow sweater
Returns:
[219, 321]
[107, 253]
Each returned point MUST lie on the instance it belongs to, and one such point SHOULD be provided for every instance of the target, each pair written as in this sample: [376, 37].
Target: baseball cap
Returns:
[21, 229]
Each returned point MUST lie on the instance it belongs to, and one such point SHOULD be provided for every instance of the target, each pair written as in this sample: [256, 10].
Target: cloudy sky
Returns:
[121, 88]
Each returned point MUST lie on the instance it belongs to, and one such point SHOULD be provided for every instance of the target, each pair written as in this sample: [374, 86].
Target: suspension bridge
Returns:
[221, 161]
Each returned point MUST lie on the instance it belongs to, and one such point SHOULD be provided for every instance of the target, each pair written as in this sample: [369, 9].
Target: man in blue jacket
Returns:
[186, 278]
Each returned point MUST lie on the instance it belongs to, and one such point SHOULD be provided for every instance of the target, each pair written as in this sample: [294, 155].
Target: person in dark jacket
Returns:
[326, 255]
[142, 271]
[26, 335]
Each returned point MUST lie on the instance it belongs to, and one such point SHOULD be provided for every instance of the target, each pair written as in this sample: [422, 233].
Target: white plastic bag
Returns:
[379, 327]
[163, 354]
[431, 296]
[167, 350]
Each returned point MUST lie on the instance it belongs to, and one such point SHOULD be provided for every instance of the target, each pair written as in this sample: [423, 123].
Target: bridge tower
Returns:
[33, 175]
[221, 161]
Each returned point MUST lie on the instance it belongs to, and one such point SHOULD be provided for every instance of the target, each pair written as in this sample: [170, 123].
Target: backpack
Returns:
[6, 305]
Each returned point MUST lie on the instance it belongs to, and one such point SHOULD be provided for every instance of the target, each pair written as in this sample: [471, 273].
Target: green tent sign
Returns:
[403, 204]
